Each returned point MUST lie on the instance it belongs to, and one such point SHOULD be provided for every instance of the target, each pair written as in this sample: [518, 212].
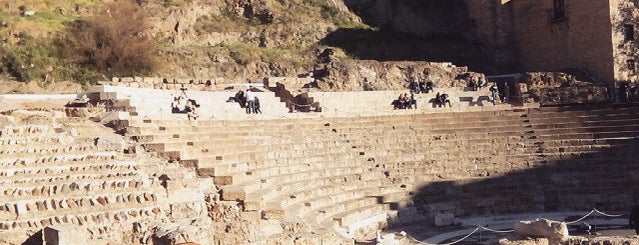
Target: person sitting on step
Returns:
[412, 102]
[178, 105]
[422, 87]
[191, 109]
[472, 84]
[443, 99]
[429, 86]
[402, 101]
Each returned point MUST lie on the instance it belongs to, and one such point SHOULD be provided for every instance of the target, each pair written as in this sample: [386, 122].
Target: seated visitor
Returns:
[402, 101]
[422, 86]
[191, 109]
[413, 86]
[429, 86]
[482, 82]
[178, 105]
[411, 101]
[472, 84]
[239, 98]
[443, 99]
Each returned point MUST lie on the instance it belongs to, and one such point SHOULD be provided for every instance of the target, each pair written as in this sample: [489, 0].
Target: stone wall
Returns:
[624, 12]
[580, 40]
[554, 88]
[493, 26]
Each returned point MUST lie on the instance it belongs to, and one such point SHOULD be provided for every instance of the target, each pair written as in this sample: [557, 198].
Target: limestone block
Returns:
[172, 233]
[444, 219]
[64, 234]
[553, 230]
[537, 241]
[21, 208]
[127, 79]
[110, 143]
[233, 193]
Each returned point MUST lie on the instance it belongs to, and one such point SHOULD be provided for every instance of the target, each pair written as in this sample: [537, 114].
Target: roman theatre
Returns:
[117, 166]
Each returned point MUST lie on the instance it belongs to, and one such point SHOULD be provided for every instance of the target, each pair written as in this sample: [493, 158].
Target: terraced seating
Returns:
[50, 177]
[156, 104]
[351, 175]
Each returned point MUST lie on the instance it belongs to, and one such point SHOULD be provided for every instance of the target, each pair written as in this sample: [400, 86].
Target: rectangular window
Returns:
[629, 32]
[559, 9]
[630, 64]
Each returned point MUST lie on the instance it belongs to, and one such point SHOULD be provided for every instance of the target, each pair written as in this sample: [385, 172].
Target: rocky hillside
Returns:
[239, 40]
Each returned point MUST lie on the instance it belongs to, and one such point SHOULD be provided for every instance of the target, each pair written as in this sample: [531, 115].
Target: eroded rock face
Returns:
[549, 88]
[351, 75]
[552, 230]
[169, 234]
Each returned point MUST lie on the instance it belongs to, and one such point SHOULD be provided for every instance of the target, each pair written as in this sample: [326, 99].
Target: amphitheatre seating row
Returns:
[156, 104]
[50, 177]
[328, 177]
[371, 103]
[340, 173]
[593, 153]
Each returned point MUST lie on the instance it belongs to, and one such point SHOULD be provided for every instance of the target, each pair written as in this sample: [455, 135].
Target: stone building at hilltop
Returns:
[598, 36]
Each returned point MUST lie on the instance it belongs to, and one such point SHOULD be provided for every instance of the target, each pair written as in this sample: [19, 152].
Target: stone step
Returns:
[81, 187]
[36, 208]
[128, 214]
[61, 159]
[66, 169]
[46, 150]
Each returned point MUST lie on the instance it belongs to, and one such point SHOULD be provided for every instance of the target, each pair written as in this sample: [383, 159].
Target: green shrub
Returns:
[31, 58]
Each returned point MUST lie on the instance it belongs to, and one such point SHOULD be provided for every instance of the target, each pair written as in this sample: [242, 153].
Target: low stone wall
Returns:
[554, 88]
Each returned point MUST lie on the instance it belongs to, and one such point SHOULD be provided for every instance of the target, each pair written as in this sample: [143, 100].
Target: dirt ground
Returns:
[13, 87]
[64, 87]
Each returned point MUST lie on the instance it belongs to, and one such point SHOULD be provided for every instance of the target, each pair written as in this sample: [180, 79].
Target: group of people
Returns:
[421, 87]
[248, 100]
[183, 105]
[405, 102]
[475, 85]
[442, 100]
[494, 92]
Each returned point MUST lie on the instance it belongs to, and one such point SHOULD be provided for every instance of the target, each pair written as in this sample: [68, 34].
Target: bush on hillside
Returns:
[112, 43]
[30, 58]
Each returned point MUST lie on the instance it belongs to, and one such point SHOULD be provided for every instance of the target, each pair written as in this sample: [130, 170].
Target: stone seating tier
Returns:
[156, 104]
[349, 172]
[52, 176]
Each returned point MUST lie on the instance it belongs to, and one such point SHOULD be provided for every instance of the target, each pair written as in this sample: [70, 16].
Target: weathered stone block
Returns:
[110, 143]
[444, 219]
[64, 234]
[553, 230]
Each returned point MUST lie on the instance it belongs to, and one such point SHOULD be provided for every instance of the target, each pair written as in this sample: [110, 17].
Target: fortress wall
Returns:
[624, 12]
[580, 40]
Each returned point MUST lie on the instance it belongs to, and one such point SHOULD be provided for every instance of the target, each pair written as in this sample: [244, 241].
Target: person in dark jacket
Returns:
[634, 218]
